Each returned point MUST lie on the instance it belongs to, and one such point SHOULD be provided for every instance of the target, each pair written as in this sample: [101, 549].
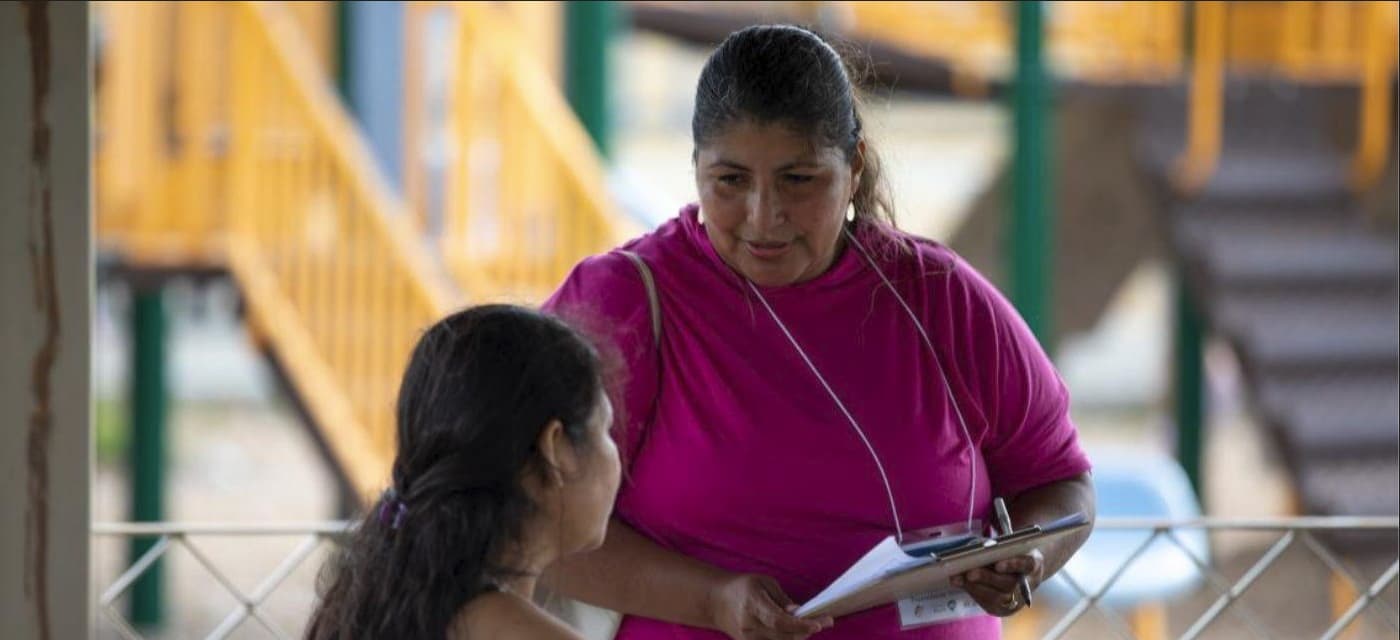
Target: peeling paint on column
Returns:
[41, 259]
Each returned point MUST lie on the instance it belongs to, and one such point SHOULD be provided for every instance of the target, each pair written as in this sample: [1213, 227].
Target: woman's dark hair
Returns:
[480, 387]
[789, 75]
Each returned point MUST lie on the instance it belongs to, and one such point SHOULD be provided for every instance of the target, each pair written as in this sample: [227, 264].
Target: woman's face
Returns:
[590, 492]
[773, 201]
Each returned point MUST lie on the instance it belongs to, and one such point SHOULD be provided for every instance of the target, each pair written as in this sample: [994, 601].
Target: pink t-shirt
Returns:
[737, 456]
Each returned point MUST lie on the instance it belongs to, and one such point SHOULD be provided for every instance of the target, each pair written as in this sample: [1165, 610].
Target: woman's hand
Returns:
[754, 607]
[994, 587]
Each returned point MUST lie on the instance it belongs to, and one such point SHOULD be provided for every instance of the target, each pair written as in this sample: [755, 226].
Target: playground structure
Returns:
[264, 176]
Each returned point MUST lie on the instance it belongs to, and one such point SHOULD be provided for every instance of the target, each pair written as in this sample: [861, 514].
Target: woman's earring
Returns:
[851, 212]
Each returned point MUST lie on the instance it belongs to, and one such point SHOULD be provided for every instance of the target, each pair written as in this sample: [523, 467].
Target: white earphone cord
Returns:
[899, 531]
[889, 491]
[938, 362]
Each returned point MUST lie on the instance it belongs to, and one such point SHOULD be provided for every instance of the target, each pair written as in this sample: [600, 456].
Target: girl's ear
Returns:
[557, 453]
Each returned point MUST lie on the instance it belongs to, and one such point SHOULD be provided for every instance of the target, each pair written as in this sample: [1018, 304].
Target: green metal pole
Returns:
[1188, 384]
[1029, 231]
[342, 50]
[1188, 343]
[588, 31]
[147, 453]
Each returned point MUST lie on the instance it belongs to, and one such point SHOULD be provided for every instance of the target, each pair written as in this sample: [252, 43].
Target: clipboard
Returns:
[882, 576]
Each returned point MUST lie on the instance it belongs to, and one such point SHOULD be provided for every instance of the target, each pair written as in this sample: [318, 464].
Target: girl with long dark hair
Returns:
[504, 465]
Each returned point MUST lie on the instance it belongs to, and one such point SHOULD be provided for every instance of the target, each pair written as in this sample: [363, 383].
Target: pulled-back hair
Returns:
[790, 76]
[479, 389]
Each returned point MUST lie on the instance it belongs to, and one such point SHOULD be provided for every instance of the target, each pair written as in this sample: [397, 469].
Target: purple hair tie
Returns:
[391, 504]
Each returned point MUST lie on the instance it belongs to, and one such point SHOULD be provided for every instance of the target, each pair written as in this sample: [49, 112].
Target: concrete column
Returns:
[45, 320]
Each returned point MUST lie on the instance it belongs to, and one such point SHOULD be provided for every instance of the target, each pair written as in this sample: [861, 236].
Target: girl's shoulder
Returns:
[497, 614]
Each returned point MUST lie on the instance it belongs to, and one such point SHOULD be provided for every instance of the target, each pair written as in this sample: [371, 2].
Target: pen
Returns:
[1004, 524]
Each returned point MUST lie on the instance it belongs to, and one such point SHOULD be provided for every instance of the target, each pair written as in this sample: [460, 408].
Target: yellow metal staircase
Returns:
[221, 145]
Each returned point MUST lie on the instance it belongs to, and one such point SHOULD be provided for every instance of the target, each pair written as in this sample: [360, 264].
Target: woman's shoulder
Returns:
[903, 249]
[936, 269]
[613, 279]
[507, 616]
[607, 268]
[664, 241]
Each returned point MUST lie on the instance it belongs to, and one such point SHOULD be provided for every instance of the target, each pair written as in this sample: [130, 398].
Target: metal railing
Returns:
[1092, 42]
[1351, 594]
[169, 536]
[522, 191]
[337, 282]
[1292, 531]
[221, 145]
[160, 134]
[527, 195]
[1307, 42]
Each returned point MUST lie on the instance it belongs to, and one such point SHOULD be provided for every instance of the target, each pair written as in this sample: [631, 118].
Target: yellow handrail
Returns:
[316, 23]
[158, 136]
[1328, 42]
[1306, 41]
[1092, 42]
[1116, 42]
[221, 145]
[163, 126]
[1377, 98]
[1206, 104]
[335, 280]
[971, 37]
[525, 190]
[236, 154]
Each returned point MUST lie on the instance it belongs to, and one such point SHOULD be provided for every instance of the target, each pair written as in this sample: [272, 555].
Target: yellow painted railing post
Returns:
[242, 105]
[528, 192]
[415, 20]
[1025, 625]
[335, 283]
[1149, 621]
[1343, 594]
[1293, 36]
[1377, 67]
[1206, 107]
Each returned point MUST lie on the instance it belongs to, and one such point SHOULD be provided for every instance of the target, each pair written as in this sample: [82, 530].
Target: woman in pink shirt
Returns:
[817, 380]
